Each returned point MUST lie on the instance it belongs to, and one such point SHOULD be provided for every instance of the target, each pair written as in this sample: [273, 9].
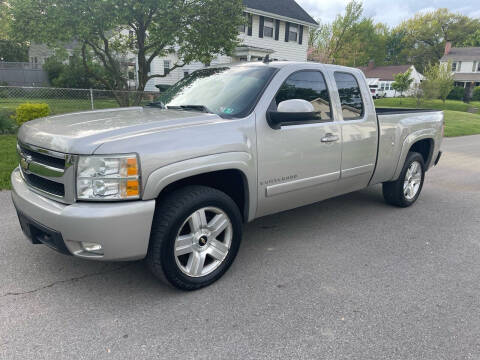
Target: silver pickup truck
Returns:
[173, 182]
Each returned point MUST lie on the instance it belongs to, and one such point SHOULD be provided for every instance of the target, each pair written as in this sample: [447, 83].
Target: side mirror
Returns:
[292, 112]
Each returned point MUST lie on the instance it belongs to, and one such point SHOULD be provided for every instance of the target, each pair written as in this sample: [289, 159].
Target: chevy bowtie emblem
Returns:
[25, 161]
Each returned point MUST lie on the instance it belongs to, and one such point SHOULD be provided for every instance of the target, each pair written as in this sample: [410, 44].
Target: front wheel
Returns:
[195, 237]
[406, 190]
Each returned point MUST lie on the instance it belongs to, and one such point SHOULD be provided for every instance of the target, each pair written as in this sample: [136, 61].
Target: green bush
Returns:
[7, 124]
[476, 94]
[26, 112]
[457, 93]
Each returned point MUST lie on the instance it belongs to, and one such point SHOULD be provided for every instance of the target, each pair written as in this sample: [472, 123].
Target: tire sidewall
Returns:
[169, 264]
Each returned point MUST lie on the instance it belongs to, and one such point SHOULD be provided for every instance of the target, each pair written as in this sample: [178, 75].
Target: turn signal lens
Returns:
[132, 168]
[133, 188]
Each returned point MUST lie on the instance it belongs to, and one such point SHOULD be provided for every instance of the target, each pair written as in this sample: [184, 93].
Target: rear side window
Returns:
[350, 96]
[307, 85]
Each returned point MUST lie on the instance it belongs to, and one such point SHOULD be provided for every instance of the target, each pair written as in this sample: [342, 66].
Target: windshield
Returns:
[228, 92]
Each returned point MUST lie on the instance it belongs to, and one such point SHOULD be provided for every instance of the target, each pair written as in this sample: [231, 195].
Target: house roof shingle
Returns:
[462, 54]
[287, 8]
[384, 72]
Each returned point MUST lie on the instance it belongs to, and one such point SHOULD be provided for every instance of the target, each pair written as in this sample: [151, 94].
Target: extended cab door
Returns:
[298, 163]
[359, 129]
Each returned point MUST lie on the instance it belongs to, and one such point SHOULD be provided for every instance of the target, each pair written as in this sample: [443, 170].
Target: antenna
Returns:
[266, 59]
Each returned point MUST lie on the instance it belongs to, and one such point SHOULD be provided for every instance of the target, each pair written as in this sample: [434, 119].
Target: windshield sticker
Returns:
[228, 111]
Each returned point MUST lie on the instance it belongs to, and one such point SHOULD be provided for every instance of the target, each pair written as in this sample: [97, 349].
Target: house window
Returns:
[166, 67]
[185, 73]
[454, 66]
[474, 66]
[478, 65]
[268, 27]
[293, 33]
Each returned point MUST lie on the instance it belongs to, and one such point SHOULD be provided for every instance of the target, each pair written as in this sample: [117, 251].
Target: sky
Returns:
[390, 12]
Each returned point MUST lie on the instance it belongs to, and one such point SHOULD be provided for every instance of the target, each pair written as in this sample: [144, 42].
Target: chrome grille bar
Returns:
[47, 172]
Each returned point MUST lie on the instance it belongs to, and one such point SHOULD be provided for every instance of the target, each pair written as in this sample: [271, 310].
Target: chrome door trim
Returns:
[358, 170]
[278, 189]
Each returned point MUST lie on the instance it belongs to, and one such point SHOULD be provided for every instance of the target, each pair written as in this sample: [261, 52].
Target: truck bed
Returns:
[396, 125]
[394, 111]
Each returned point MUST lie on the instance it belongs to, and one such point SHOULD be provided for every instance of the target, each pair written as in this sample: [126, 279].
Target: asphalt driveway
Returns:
[350, 277]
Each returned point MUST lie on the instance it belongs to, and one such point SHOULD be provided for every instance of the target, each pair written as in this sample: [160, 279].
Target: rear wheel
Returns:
[195, 237]
[406, 190]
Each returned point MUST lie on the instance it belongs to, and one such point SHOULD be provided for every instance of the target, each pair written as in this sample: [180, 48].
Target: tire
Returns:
[196, 234]
[394, 192]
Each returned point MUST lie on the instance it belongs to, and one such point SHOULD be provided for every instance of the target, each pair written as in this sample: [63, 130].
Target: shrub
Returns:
[26, 112]
[7, 124]
[457, 93]
[476, 94]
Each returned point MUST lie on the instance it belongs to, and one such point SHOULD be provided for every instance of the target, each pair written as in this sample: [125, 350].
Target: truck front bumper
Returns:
[121, 228]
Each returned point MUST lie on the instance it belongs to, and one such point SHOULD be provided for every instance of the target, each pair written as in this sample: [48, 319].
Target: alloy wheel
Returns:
[203, 241]
[413, 179]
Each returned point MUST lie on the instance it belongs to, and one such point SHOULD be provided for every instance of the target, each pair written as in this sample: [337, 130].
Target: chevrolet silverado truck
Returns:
[174, 182]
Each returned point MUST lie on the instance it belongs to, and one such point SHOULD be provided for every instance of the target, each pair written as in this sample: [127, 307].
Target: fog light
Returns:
[92, 247]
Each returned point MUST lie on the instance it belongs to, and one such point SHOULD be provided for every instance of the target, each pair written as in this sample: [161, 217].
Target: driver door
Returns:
[299, 163]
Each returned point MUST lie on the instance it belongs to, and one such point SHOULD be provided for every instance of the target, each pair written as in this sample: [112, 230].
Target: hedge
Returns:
[457, 93]
[26, 112]
[476, 94]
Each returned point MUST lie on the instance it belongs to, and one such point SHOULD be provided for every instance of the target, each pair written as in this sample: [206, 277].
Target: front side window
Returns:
[350, 96]
[268, 27]
[293, 34]
[228, 92]
[310, 86]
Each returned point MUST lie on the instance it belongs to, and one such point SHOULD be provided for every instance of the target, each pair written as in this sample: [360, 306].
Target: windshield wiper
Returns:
[201, 108]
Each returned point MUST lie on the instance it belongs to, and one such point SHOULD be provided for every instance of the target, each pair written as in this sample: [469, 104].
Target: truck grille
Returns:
[47, 172]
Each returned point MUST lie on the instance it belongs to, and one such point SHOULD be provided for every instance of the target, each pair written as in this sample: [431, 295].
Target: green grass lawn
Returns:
[459, 123]
[59, 106]
[8, 159]
[453, 105]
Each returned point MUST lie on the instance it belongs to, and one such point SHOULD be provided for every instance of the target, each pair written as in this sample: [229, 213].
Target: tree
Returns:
[473, 39]
[402, 81]
[350, 39]
[330, 39]
[444, 80]
[418, 94]
[429, 84]
[72, 74]
[117, 33]
[10, 50]
[425, 35]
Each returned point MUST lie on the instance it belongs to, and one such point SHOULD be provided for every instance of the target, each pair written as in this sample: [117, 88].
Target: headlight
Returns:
[108, 177]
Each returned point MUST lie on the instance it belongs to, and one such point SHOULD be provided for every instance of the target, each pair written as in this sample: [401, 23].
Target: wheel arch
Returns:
[232, 173]
[422, 141]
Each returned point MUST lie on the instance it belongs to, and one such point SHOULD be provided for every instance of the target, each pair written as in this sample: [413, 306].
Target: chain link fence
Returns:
[64, 100]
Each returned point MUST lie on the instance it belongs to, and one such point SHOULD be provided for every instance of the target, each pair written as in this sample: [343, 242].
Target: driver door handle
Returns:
[329, 137]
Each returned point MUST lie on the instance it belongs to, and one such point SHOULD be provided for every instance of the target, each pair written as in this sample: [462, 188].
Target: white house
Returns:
[278, 28]
[465, 66]
[381, 78]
